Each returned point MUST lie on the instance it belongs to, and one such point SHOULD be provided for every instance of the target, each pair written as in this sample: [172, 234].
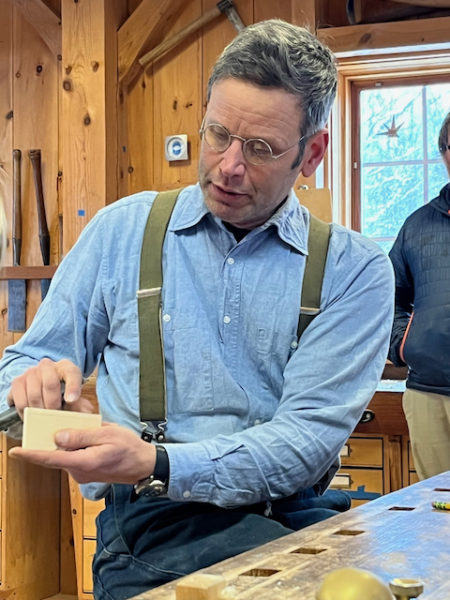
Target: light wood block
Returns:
[41, 424]
[200, 586]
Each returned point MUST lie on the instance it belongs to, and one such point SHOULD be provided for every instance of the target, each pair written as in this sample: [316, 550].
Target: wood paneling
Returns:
[89, 111]
[35, 125]
[6, 146]
[30, 529]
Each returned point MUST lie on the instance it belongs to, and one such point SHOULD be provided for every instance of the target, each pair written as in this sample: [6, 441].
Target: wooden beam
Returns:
[44, 20]
[433, 3]
[141, 31]
[88, 111]
[408, 35]
[303, 13]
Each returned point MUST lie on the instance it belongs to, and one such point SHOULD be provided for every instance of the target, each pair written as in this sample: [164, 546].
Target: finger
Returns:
[72, 377]
[53, 459]
[17, 395]
[76, 439]
[50, 384]
[81, 405]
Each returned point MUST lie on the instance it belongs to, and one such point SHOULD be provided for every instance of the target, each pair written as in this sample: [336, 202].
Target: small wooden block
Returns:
[200, 586]
[41, 424]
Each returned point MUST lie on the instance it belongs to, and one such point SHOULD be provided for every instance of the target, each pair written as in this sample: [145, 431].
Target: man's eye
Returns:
[258, 148]
[219, 133]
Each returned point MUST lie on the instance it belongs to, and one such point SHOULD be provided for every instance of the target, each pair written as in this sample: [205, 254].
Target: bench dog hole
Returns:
[259, 573]
[348, 532]
[401, 508]
[307, 550]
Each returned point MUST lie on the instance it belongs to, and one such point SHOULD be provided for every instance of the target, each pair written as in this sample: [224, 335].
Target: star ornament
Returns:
[391, 131]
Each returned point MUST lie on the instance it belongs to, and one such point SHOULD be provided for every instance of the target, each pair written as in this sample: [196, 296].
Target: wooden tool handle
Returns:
[44, 237]
[167, 45]
[17, 208]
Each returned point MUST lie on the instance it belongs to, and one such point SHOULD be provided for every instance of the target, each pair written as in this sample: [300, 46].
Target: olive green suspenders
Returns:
[318, 238]
[152, 388]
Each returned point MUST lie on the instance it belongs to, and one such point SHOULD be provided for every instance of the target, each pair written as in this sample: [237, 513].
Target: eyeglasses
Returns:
[255, 150]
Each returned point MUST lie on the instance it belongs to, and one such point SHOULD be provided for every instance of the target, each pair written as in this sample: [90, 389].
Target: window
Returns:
[397, 166]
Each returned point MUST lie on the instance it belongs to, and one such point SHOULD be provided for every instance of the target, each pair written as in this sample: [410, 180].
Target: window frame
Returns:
[354, 74]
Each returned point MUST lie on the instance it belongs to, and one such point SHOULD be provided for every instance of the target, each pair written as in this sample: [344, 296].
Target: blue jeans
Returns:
[145, 542]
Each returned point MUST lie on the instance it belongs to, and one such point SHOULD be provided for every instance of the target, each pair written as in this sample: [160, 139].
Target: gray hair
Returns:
[443, 135]
[277, 54]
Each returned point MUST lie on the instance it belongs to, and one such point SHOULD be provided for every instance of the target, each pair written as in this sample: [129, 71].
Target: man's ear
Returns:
[314, 152]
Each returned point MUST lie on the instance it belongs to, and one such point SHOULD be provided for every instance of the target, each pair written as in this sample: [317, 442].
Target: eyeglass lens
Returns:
[255, 151]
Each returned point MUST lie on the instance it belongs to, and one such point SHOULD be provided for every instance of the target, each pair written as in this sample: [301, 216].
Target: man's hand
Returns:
[41, 386]
[110, 454]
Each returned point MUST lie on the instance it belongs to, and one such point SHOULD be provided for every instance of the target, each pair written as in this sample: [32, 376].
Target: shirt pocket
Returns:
[192, 368]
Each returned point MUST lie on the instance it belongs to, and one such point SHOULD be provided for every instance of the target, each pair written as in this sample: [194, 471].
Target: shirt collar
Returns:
[290, 220]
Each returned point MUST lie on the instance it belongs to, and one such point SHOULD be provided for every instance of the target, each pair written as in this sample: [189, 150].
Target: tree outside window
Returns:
[399, 167]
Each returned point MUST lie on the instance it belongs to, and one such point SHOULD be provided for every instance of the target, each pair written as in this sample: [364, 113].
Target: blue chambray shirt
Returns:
[253, 413]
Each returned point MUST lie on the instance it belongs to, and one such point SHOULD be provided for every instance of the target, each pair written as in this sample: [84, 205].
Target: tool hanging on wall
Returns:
[44, 236]
[224, 7]
[17, 289]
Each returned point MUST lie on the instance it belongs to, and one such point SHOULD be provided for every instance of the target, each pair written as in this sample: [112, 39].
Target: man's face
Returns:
[236, 191]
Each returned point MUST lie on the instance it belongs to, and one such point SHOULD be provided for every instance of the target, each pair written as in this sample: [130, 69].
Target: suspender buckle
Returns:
[158, 434]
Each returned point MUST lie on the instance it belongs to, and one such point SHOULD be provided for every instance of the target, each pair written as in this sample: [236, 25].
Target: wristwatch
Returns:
[157, 483]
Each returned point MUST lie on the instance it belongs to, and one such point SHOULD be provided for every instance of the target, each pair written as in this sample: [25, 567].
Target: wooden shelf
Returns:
[376, 37]
[43, 272]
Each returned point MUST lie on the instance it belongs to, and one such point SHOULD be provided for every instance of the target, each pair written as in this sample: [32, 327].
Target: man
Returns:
[421, 331]
[255, 417]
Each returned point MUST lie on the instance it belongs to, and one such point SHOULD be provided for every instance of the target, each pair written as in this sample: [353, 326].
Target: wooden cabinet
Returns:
[84, 513]
[377, 457]
[30, 528]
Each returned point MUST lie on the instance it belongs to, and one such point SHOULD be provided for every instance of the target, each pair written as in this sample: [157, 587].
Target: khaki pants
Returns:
[428, 417]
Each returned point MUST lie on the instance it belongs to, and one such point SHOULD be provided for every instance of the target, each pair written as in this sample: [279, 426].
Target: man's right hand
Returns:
[42, 386]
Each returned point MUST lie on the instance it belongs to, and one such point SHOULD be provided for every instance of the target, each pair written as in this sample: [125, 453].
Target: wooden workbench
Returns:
[398, 535]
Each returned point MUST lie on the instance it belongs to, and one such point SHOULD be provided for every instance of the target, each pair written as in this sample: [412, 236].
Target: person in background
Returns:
[421, 331]
[255, 417]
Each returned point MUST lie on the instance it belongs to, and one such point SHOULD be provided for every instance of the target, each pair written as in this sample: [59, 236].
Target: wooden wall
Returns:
[101, 134]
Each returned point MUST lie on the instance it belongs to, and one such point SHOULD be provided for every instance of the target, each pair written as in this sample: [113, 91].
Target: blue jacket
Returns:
[421, 332]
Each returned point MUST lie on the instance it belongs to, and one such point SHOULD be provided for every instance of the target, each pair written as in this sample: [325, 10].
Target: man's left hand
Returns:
[110, 454]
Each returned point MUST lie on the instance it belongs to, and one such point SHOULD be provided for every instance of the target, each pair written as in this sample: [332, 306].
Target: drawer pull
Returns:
[341, 481]
[367, 416]
[345, 451]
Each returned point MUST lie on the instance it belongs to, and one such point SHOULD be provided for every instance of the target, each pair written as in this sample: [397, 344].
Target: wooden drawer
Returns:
[363, 484]
[362, 451]
[90, 512]
[88, 555]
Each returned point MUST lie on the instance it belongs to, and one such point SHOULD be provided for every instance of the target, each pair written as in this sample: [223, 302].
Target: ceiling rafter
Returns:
[142, 31]
[44, 20]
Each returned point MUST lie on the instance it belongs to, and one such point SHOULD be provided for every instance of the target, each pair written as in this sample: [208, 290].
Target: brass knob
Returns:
[352, 584]
[404, 589]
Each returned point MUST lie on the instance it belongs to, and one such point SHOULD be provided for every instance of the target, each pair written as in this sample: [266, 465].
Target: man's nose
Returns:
[233, 162]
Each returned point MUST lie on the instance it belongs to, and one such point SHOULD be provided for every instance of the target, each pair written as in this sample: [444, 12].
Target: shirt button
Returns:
[227, 319]
[187, 494]
[166, 318]
[294, 345]
[230, 261]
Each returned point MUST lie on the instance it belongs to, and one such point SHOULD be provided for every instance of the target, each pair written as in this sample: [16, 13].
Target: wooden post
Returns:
[88, 110]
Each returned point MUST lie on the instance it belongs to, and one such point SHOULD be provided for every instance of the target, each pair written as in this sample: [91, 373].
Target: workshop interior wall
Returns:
[101, 140]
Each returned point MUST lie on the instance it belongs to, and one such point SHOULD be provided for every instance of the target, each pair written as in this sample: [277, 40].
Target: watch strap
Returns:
[162, 466]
